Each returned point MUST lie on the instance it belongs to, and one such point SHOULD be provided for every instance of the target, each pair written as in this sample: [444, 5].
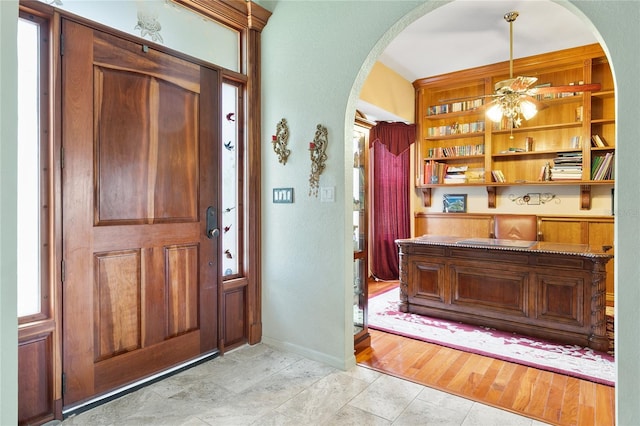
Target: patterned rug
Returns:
[571, 360]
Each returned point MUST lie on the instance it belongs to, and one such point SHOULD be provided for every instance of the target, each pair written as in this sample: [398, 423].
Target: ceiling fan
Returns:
[514, 98]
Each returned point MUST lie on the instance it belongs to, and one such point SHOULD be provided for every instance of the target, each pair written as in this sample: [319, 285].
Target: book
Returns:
[598, 141]
[455, 174]
[576, 142]
[498, 176]
[602, 167]
[475, 175]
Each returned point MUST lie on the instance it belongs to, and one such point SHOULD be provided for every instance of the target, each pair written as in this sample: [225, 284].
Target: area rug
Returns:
[571, 360]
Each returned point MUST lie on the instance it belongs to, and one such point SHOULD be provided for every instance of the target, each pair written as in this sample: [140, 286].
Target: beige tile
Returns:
[350, 415]
[422, 412]
[259, 385]
[387, 397]
[323, 399]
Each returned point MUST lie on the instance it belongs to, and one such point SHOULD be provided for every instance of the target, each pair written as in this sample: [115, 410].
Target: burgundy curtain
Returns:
[389, 212]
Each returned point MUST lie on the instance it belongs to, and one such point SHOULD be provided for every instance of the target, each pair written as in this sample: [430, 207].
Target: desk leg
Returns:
[598, 339]
[403, 306]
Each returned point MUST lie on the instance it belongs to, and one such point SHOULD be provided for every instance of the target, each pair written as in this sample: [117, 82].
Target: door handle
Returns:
[212, 223]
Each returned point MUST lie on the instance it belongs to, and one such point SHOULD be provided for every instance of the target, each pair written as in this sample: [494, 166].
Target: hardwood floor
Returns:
[549, 397]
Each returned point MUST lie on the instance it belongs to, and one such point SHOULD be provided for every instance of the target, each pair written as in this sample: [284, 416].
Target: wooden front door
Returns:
[140, 286]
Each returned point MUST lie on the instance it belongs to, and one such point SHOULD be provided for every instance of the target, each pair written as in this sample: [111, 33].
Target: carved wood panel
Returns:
[117, 299]
[157, 176]
[561, 299]
[182, 289]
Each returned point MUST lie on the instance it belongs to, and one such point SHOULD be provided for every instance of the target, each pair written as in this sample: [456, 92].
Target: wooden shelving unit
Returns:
[556, 126]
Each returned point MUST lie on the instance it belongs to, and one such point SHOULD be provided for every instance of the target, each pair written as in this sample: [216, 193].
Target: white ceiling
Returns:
[469, 33]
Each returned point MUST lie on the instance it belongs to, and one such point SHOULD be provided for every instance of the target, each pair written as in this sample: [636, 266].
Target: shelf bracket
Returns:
[585, 197]
[426, 197]
[491, 197]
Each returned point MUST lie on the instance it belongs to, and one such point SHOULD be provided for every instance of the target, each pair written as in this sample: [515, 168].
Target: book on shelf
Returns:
[455, 107]
[498, 176]
[434, 172]
[455, 174]
[579, 113]
[598, 141]
[455, 151]
[576, 142]
[567, 166]
[602, 167]
[475, 175]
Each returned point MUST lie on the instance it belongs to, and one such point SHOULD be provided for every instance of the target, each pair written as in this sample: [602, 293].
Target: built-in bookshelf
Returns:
[576, 130]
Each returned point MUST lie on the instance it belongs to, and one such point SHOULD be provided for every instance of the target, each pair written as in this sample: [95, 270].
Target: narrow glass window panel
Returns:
[29, 271]
[232, 147]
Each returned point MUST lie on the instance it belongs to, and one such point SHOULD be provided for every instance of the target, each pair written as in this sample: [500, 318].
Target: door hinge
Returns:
[61, 44]
[64, 383]
[62, 157]
[62, 271]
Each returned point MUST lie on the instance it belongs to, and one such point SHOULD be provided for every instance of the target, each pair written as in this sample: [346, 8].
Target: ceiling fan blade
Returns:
[522, 83]
[563, 89]
[539, 105]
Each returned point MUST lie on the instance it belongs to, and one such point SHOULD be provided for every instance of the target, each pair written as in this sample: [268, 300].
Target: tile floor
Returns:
[260, 385]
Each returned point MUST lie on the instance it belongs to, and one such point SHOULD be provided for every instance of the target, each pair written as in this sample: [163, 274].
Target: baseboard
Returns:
[341, 364]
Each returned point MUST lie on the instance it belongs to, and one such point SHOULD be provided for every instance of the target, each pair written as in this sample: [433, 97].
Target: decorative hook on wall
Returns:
[317, 150]
[280, 140]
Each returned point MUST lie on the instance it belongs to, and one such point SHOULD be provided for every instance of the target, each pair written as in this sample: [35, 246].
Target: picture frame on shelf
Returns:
[454, 203]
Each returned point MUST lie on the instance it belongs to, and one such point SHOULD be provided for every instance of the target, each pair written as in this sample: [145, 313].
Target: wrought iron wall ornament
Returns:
[534, 198]
[280, 140]
[317, 150]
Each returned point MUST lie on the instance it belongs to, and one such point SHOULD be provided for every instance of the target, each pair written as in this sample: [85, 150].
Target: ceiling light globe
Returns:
[495, 113]
[528, 109]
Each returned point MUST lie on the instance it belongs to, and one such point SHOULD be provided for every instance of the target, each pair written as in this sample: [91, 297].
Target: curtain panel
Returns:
[389, 216]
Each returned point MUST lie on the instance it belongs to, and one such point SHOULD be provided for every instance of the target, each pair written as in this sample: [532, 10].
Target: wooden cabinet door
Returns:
[139, 133]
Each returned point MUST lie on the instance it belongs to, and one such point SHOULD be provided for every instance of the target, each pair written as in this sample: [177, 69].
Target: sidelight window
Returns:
[232, 180]
[33, 192]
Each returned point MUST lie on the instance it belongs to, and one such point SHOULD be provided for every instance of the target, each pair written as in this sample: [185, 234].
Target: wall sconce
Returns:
[317, 150]
[280, 140]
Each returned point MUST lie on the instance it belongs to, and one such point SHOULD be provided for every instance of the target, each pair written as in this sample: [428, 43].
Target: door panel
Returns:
[140, 144]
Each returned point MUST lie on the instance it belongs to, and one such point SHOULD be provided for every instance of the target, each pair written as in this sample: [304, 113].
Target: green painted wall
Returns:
[316, 56]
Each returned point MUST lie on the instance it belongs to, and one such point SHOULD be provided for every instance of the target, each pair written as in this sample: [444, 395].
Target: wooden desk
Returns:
[549, 290]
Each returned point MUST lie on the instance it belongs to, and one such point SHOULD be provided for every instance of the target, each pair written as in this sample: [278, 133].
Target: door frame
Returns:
[247, 18]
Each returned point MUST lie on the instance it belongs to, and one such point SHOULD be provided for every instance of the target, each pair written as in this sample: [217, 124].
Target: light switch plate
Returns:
[328, 194]
[283, 195]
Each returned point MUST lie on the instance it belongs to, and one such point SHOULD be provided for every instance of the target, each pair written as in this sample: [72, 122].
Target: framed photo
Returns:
[454, 203]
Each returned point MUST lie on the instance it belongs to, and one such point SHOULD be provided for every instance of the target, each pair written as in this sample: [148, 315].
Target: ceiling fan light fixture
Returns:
[528, 109]
[495, 112]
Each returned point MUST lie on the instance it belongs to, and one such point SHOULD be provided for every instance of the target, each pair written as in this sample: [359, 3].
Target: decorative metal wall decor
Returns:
[149, 26]
[280, 140]
[317, 150]
[534, 198]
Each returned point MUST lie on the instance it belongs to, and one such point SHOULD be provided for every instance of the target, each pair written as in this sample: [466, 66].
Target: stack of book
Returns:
[475, 175]
[602, 167]
[567, 166]
[455, 174]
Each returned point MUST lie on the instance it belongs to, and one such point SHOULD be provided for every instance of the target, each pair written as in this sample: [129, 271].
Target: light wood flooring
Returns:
[549, 397]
